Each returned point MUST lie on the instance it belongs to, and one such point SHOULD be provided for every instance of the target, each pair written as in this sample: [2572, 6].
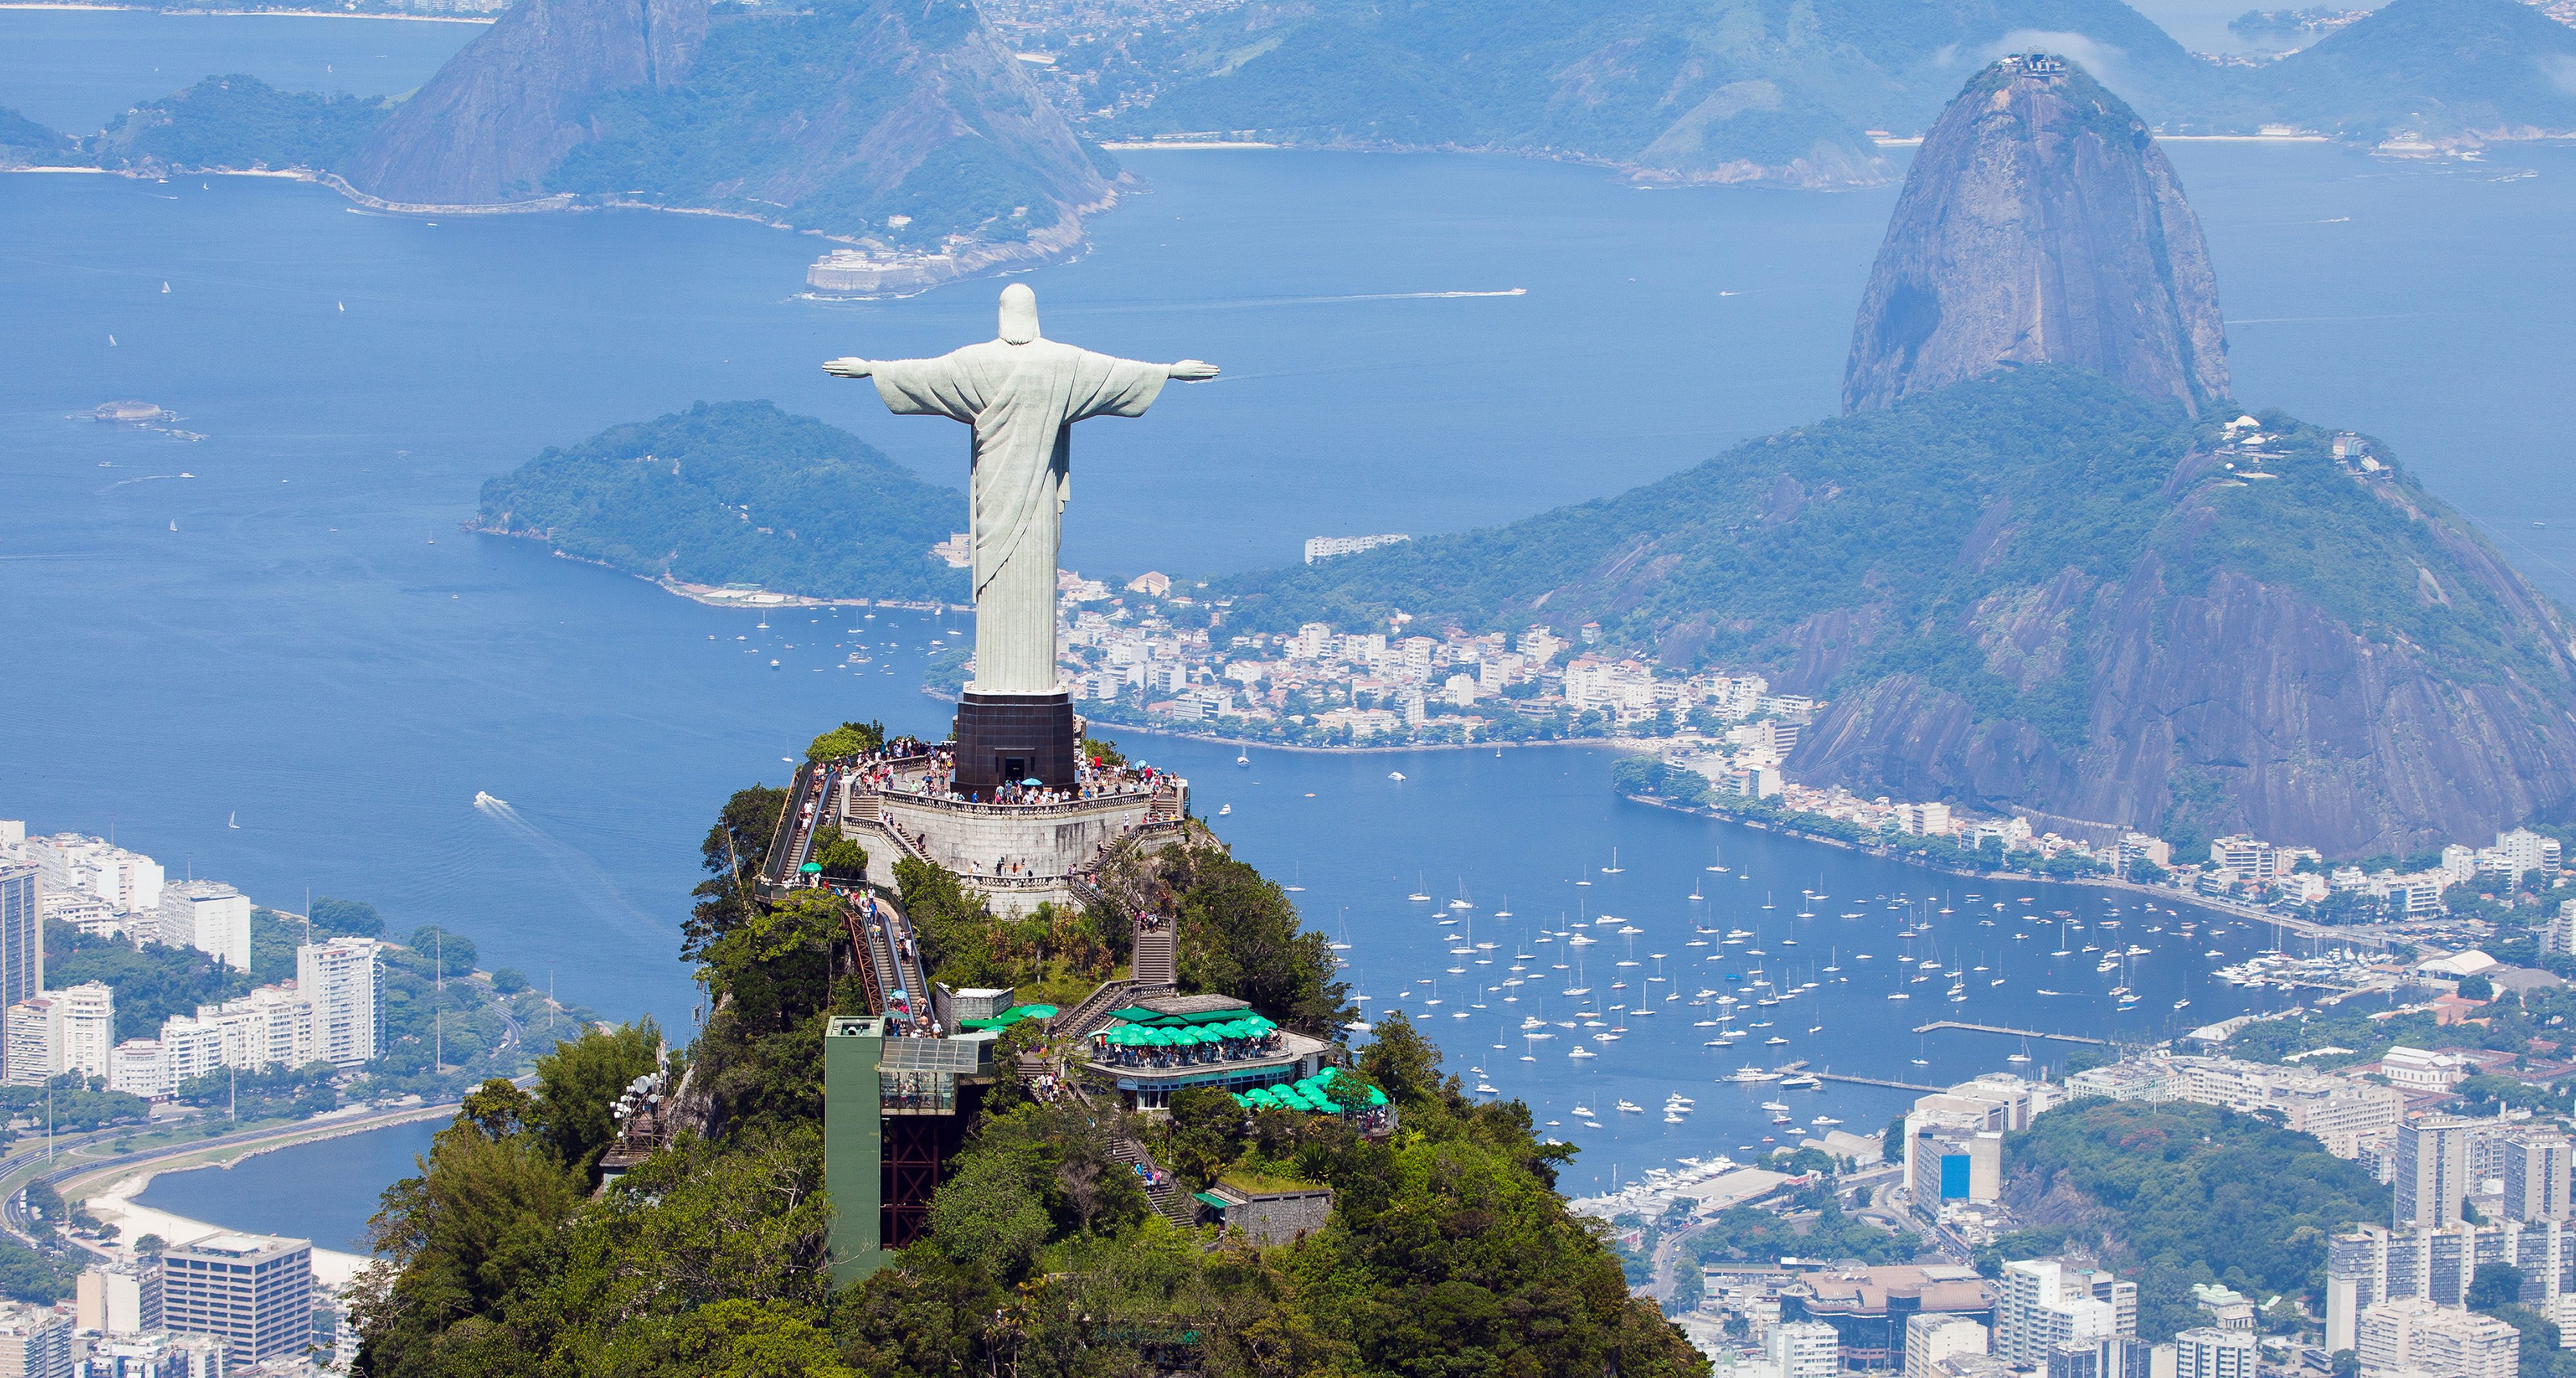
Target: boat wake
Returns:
[594, 888]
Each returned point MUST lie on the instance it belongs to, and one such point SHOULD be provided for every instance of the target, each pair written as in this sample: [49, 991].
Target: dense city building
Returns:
[253, 1292]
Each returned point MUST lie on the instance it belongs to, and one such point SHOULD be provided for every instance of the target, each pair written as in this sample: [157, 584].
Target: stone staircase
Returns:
[1153, 960]
[1170, 1202]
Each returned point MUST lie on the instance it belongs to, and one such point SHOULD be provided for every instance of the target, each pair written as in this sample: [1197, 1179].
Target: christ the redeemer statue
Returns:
[1022, 393]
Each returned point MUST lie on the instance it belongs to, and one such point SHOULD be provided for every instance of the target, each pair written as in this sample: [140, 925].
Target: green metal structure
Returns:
[854, 1145]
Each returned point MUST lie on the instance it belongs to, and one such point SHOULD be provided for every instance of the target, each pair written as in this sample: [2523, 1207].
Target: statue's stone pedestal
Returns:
[1002, 737]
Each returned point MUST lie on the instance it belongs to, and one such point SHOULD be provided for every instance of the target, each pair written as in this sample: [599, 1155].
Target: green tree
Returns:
[847, 740]
[450, 953]
[334, 918]
[578, 1085]
[474, 1224]
[1239, 933]
[841, 858]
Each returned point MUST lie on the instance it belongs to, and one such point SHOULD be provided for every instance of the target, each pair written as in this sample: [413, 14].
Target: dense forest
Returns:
[737, 493]
[1448, 1252]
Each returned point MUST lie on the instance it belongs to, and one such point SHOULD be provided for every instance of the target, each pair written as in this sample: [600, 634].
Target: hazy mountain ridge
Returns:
[2039, 224]
[1748, 90]
[1725, 90]
[904, 126]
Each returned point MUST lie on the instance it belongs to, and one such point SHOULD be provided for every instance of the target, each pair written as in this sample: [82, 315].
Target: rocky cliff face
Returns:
[2211, 695]
[499, 115]
[2039, 224]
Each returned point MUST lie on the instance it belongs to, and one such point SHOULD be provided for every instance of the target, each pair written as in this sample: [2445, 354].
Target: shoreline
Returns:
[109, 1192]
[2303, 927]
[1614, 743]
[716, 595]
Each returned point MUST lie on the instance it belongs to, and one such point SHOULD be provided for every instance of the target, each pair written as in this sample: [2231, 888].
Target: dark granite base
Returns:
[1004, 737]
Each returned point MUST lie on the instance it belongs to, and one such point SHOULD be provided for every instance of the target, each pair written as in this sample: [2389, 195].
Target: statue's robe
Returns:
[1022, 401]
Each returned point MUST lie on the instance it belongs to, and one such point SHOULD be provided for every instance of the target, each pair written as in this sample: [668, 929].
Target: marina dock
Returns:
[1940, 1024]
[1876, 1081]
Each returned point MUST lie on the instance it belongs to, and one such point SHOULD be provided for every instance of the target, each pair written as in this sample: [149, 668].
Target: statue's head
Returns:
[1019, 314]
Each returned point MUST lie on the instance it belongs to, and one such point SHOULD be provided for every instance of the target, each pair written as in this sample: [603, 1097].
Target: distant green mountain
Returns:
[2044, 590]
[1725, 90]
[25, 143]
[737, 493]
[2438, 69]
[239, 122]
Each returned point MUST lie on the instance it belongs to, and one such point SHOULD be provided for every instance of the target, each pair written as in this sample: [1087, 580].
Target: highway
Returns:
[76, 1156]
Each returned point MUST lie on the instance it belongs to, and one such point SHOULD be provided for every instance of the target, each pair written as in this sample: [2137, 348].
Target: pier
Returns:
[1940, 1024]
[1876, 1081]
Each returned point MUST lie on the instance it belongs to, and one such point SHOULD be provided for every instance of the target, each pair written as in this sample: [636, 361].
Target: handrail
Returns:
[1016, 810]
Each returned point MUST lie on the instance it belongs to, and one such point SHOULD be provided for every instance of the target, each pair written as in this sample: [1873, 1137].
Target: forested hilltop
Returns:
[1447, 1252]
[737, 493]
[2043, 589]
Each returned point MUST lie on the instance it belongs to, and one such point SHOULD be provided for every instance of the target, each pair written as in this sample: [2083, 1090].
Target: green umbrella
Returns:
[811, 868]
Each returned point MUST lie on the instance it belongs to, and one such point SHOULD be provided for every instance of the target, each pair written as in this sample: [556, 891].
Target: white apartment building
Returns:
[334, 1012]
[84, 911]
[2338, 1110]
[2413, 1333]
[2432, 1170]
[210, 916]
[2373, 1264]
[1932, 1336]
[344, 982]
[34, 1342]
[190, 1048]
[270, 1027]
[1805, 1349]
[118, 1298]
[2535, 1175]
[1327, 547]
[137, 1068]
[157, 1353]
[2046, 1304]
[1623, 689]
[70, 1030]
[129, 882]
[2208, 1352]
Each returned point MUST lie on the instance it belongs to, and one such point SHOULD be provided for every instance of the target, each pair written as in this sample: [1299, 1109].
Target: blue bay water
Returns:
[318, 647]
[321, 1191]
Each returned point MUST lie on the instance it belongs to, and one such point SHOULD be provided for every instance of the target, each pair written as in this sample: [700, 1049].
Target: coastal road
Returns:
[78, 1161]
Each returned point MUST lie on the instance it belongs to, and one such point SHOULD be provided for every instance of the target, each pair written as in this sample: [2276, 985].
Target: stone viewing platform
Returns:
[1026, 846]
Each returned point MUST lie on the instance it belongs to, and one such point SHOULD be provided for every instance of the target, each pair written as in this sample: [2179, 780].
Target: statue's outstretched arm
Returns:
[849, 368]
[1187, 370]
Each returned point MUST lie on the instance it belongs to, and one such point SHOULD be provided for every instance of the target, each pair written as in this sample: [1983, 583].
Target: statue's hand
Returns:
[849, 368]
[1192, 371]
